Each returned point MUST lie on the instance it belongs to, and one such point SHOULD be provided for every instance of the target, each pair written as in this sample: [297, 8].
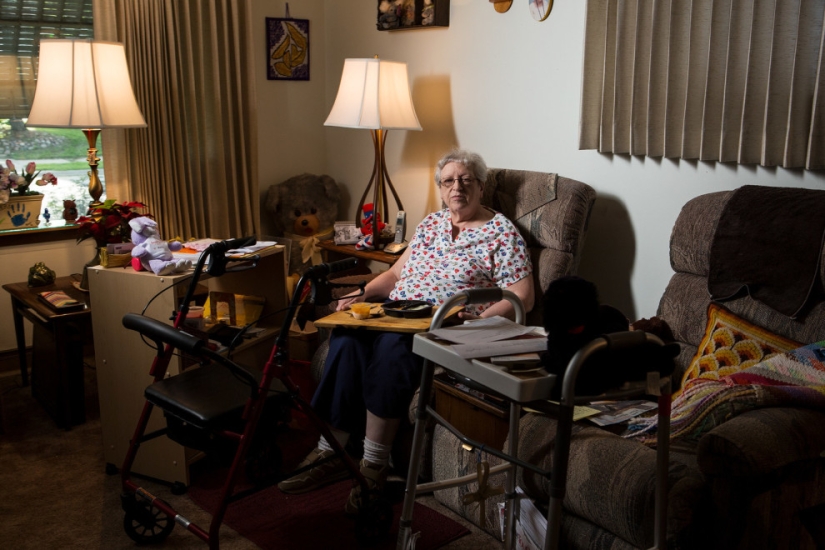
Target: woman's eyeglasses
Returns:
[450, 182]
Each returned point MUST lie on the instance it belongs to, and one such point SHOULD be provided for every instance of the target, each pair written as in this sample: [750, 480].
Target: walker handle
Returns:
[162, 333]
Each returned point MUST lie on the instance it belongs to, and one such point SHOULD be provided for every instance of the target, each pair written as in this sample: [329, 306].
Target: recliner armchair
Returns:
[551, 212]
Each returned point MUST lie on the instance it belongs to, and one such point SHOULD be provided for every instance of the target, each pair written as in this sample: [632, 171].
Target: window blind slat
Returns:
[697, 76]
[623, 94]
[593, 75]
[756, 79]
[641, 79]
[804, 83]
[783, 46]
[608, 88]
[657, 92]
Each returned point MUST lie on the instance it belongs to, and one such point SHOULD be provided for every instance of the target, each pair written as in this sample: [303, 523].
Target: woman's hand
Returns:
[467, 316]
[345, 301]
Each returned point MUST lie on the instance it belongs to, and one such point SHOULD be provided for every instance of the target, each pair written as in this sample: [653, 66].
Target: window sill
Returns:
[55, 231]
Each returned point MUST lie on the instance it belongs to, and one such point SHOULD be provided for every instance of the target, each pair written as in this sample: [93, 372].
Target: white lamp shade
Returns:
[83, 84]
[374, 94]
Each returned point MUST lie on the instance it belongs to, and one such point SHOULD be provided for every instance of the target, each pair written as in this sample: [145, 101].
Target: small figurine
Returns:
[40, 275]
[47, 216]
[69, 210]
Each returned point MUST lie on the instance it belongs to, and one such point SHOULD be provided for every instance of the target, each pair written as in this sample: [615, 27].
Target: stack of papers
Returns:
[492, 337]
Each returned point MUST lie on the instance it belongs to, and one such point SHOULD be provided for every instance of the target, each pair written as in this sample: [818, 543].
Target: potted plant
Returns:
[22, 205]
[107, 224]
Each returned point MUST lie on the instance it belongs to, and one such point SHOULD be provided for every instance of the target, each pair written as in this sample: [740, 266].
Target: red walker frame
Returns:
[144, 510]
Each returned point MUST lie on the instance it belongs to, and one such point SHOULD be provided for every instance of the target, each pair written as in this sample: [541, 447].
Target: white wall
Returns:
[507, 87]
[291, 114]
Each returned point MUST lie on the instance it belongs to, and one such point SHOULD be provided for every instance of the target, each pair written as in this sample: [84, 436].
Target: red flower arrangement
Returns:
[109, 222]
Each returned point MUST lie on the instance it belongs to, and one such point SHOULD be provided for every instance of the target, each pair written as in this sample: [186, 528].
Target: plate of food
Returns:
[410, 309]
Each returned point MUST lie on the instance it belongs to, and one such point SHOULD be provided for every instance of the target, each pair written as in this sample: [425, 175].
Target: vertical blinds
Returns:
[714, 80]
[22, 24]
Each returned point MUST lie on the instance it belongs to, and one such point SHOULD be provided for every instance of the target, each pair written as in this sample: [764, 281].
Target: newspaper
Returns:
[613, 412]
[531, 524]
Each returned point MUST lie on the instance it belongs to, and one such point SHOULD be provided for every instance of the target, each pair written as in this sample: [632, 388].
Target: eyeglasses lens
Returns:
[450, 182]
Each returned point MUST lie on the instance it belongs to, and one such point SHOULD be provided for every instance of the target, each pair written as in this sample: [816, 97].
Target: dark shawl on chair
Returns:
[769, 241]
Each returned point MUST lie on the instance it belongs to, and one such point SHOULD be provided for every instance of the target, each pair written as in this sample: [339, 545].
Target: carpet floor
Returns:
[54, 492]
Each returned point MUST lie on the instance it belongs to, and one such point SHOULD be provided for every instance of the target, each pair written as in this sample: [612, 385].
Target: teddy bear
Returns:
[303, 209]
[69, 210]
[152, 253]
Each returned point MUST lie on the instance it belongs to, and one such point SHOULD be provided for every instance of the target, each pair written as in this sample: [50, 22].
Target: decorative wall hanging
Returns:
[540, 9]
[412, 14]
[287, 42]
[501, 6]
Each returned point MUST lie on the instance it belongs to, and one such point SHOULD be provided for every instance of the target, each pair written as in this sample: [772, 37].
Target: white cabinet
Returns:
[123, 359]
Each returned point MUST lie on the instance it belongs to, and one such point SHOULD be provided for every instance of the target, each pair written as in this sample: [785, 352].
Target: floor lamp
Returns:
[84, 84]
[375, 94]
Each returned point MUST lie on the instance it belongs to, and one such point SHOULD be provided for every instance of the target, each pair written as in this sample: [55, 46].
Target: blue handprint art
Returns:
[18, 214]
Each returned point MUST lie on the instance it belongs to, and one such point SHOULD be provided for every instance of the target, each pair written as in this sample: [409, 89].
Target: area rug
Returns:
[272, 519]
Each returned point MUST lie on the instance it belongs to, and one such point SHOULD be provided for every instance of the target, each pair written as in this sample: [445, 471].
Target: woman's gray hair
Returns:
[472, 161]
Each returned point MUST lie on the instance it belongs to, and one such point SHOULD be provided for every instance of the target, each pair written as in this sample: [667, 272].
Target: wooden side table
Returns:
[348, 250]
[57, 350]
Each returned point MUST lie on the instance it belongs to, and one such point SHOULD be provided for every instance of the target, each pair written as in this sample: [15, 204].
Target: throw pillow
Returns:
[731, 344]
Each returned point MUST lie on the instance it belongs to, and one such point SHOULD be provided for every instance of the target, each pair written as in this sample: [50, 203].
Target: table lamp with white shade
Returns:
[374, 94]
[84, 84]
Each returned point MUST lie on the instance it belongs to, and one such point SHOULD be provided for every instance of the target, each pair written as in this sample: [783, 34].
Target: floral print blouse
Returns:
[494, 254]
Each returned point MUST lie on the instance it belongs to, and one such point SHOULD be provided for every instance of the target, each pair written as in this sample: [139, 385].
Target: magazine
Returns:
[614, 412]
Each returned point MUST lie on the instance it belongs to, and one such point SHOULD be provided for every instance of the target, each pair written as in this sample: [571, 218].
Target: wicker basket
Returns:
[114, 260]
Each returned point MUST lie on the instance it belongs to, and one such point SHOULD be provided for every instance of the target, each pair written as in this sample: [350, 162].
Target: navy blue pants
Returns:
[367, 371]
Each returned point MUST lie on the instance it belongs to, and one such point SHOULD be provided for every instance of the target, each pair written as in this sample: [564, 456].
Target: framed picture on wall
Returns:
[412, 14]
[287, 42]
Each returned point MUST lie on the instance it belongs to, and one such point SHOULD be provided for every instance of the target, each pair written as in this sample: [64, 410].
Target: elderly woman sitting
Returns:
[370, 377]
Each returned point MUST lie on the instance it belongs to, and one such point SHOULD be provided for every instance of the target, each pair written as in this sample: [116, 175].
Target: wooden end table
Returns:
[349, 250]
[57, 350]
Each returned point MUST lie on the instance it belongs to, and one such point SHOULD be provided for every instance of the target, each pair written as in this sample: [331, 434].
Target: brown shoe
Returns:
[376, 479]
[323, 474]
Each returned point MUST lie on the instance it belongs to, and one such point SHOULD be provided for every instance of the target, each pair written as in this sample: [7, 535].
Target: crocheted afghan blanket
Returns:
[792, 379]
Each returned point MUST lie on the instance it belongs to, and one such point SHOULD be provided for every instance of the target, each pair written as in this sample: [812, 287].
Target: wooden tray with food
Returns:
[379, 320]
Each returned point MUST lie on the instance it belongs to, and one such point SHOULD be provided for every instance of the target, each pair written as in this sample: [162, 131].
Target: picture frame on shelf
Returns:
[346, 233]
[287, 43]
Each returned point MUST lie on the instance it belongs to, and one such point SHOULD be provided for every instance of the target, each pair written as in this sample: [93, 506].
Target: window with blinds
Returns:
[715, 80]
[22, 24]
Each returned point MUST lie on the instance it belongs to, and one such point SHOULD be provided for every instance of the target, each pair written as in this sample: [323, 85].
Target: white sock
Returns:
[376, 453]
[341, 436]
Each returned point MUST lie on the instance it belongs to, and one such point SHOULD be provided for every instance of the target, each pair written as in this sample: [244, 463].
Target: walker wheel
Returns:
[263, 463]
[146, 524]
[374, 521]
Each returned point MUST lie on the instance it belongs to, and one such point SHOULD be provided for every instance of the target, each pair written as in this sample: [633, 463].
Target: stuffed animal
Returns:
[152, 253]
[303, 209]
[366, 227]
